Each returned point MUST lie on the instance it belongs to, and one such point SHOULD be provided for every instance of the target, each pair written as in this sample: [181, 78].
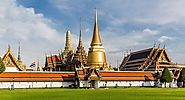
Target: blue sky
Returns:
[40, 26]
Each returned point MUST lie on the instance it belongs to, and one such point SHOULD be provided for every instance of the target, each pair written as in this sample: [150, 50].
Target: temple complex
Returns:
[96, 53]
[71, 69]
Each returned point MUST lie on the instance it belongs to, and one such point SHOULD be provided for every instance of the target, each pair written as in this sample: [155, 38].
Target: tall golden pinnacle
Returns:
[96, 37]
[96, 54]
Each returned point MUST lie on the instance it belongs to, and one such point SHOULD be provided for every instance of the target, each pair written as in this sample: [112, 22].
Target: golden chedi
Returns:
[96, 54]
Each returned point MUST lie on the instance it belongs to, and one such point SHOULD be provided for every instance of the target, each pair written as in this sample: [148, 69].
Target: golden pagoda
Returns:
[96, 54]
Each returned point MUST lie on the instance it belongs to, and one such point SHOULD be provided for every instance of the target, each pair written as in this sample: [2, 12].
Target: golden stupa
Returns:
[96, 54]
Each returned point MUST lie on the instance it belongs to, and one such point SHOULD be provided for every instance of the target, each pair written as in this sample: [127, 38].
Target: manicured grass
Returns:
[94, 94]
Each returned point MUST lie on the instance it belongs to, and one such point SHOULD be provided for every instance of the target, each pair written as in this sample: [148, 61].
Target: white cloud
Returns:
[161, 12]
[150, 32]
[165, 38]
[35, 32]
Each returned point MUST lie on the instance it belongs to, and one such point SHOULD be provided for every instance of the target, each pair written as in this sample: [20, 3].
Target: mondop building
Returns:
[70, 68]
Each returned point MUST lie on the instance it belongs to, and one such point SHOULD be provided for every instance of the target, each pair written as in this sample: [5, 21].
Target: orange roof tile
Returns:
[127, 79]
[81, 72]
[122, 74]
[31, 76]
[49, 59]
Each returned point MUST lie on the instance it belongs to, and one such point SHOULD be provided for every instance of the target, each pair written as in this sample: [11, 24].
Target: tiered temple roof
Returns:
[11, 63]
[53, 63]
[151, 59]
[58, 63]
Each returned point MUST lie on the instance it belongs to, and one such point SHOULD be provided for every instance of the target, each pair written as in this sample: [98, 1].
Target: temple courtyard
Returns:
[94, 94]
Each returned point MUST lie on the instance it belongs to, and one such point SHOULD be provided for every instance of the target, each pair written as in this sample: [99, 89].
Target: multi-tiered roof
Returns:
[150, 59]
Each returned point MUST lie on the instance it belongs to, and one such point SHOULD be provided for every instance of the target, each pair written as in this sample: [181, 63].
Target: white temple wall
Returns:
[11, 69]
[117, 83]
[67, 84]
[84, 84]
[34, 84]
[125, 83]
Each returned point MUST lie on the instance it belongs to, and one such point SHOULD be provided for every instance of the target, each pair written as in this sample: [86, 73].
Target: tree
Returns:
[166, 76]
[182, 77]
[2, 66]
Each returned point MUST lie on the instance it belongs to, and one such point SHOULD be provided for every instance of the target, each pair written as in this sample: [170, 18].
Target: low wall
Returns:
[117, 83]
[125, 83]
[34, 84]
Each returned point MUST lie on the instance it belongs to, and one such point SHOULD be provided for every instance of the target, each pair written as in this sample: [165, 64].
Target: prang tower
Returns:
[80, 56]
[68, 44]
[96, 54]
[68, 47]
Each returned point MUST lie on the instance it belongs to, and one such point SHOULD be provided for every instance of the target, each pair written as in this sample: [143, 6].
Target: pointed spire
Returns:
[96, 54]
[38, 66]
[96, 36]
[164, 46]
[8, 47]
[80, 55]
[19, 53]
[154, 45]
[159, 45]
[80, 44]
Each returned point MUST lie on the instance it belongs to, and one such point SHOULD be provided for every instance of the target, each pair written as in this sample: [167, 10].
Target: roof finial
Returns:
[164, 46]
[159, 45]
[127, 53]
[80, 37]
[9, 47]
[96, 15]
[124, 55]
[154, 45]
[19, 52]
[130, 51]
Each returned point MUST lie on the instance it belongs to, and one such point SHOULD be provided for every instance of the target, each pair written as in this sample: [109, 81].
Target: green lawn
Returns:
[94, 94]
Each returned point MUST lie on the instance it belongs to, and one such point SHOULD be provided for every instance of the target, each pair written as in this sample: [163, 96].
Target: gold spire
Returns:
[96, 54]
[96, 36]
[8, 47]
